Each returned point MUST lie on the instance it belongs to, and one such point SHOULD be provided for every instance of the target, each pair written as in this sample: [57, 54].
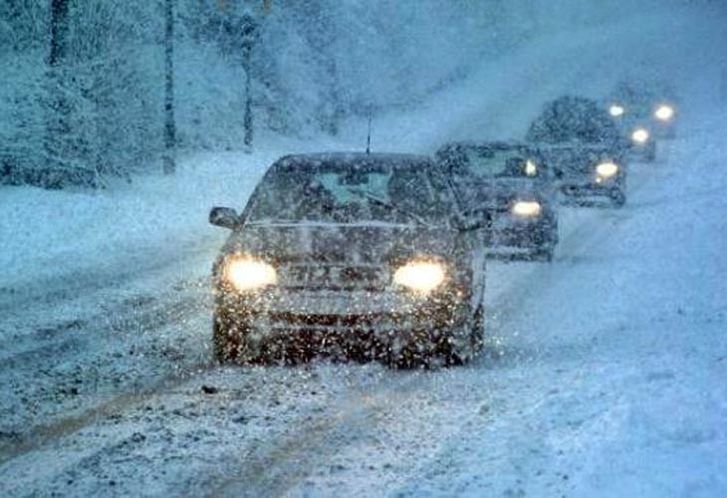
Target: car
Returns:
[584, 148]
[350, 255]
[645, 112]
[516, 188]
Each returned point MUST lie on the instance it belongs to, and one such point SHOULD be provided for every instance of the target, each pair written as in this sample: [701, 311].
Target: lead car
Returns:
[350, 255]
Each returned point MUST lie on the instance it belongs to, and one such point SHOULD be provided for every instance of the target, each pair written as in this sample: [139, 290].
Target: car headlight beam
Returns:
[616, 110]
[526, 209]
[664, 112]
[640, 135]
[247, 273]
[606, 170]
[420, 276]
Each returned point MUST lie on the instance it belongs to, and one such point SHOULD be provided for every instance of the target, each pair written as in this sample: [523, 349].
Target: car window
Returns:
[492, 163]
[349, 195]
[500, 163]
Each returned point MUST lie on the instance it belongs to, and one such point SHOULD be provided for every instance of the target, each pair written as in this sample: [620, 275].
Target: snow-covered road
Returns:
[604, 375]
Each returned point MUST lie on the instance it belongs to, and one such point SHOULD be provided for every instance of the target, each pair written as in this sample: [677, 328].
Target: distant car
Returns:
[512, 183]
[353, 255]
[645, 112]
[584, 148]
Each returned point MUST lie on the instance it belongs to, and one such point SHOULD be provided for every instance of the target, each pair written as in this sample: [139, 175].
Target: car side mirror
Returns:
[224, 217]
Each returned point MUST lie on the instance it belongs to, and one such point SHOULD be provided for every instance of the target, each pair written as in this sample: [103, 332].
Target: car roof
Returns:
[493, 144]
[352, 158]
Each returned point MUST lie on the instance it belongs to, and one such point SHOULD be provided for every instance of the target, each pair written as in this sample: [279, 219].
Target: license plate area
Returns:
[329, 277]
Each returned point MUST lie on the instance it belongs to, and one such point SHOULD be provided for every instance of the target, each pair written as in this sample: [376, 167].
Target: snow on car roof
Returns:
[348, 159]
[494, 144]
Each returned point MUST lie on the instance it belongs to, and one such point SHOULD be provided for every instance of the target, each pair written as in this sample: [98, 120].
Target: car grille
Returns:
[326, 321]
[334, 277]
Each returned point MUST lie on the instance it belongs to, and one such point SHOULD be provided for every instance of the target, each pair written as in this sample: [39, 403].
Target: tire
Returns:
[230, 344]
[651, 153]
[618, 198]
[477, 331]
[546, 244]
[452, 355]
[226, 341]
[544, 254]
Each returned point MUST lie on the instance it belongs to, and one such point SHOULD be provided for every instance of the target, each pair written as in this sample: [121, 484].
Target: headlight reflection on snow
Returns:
[420, 276]
[526, 208]
[247, 273]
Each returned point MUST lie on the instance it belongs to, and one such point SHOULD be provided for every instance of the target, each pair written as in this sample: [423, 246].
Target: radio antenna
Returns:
[368, 138]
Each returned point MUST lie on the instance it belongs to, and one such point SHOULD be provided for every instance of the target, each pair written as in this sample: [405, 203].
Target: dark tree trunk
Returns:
[249, 34]
[58, 31]
[170, 128]
[58, 119]
[248, 100]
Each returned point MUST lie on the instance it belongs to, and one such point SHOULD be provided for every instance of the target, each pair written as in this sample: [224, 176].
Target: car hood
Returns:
[340, 243]
[499, 194]
[576, 161]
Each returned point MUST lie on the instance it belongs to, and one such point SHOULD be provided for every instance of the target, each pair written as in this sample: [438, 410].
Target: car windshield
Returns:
[573, 119]
[637, 108]
[486, 163]
[336, 192]
[499, 163]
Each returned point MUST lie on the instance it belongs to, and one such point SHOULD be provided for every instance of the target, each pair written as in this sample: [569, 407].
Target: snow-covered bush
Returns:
[92, 114]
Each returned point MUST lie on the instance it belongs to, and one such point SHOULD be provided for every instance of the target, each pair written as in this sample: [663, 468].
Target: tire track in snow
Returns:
[148, 321]
[45, 435]
[21, 295]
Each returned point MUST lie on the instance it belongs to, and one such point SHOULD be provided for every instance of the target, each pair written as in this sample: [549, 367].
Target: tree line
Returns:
[100, 90]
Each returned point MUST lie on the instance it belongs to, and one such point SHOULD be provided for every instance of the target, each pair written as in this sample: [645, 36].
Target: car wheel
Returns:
[458, 352]
[226, 340]
[544, 254]
[618, 198]
[231, 345]
[651, 153]
[477, 332]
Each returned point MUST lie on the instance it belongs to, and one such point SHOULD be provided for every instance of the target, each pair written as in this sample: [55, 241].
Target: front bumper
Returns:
[368, 326]
[664, 130]
[286, 312]
[511, 235]
[591, 189]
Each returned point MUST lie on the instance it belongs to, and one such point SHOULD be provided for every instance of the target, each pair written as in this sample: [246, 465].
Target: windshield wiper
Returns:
[382, 202]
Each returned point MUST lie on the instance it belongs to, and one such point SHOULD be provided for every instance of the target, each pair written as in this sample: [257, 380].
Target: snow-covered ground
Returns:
[604, 371]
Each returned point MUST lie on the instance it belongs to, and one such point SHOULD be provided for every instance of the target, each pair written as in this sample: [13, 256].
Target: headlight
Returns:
[664, 112]
[606, 170]
[246, 273]
[640, 135]
[526, 208]
[531, 169]
[616, 110]
[420, 276]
